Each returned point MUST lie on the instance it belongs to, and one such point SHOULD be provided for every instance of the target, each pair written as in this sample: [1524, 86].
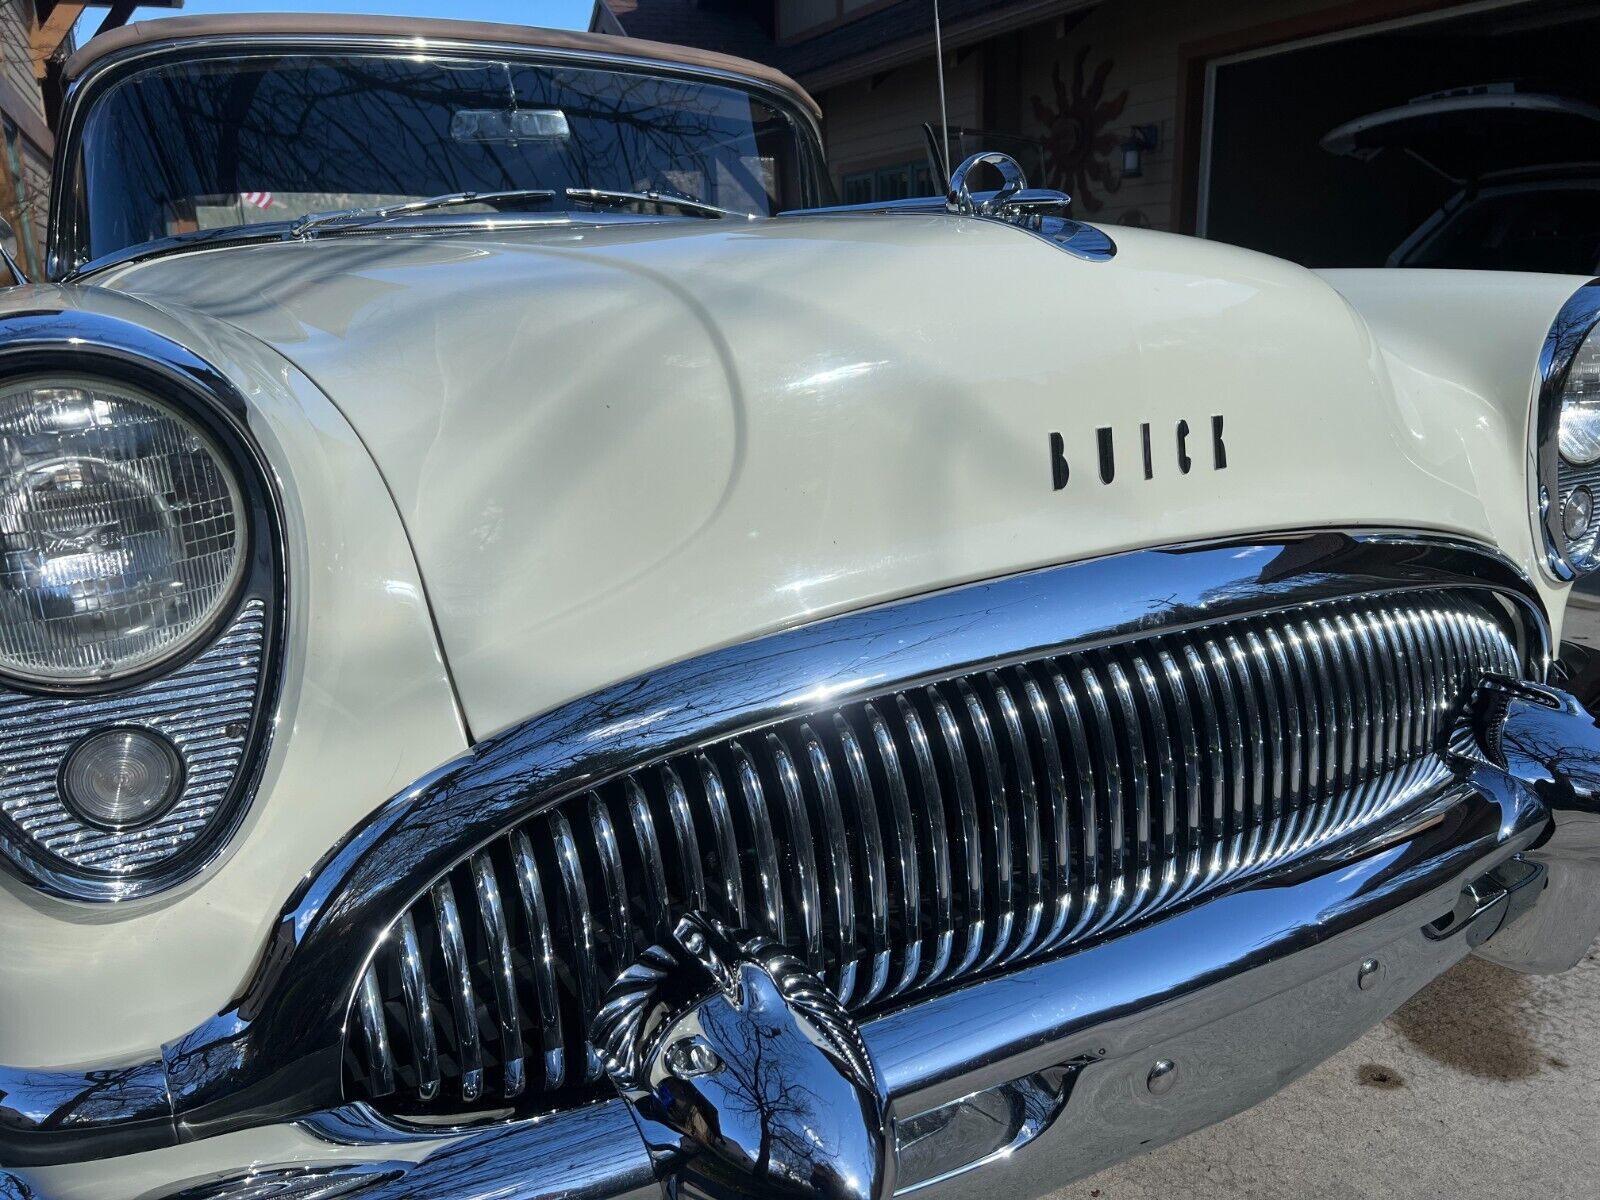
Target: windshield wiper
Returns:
[667, 199]
[354, 217]
[362, 216]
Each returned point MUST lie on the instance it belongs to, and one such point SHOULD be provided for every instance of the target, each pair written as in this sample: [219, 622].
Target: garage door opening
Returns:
[1268, 183]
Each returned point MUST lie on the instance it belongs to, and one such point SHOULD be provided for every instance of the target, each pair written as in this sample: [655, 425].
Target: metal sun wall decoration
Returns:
[1078, 141]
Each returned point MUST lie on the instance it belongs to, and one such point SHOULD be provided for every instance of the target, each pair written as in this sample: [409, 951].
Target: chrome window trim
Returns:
[1574, 322]
[275, 1053]
[43, 342]
[64, 255]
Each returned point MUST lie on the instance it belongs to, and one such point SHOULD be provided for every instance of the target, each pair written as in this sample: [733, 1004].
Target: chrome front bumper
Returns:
[1019, 1084]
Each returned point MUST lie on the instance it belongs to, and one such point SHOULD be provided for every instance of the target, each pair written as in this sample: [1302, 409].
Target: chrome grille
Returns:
[927, 835]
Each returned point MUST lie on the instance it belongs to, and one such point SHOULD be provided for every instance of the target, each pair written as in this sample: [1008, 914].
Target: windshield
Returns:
[211, 145]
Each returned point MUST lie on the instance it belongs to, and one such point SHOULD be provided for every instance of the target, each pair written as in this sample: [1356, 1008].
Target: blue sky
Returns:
[566, 14]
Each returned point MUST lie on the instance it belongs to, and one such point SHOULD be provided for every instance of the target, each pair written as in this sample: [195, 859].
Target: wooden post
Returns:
[52, 25]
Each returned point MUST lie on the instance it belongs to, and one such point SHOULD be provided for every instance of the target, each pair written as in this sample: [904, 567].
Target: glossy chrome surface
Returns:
[1552, 477]
[960, 199]
[213, 701]
[277, 1051]
[58, 1116]
[1045, 213]
[1550, 742]
[745, 1074]
[66, 253]
[294, 1183]
[1048, 782]
[1001, 1089]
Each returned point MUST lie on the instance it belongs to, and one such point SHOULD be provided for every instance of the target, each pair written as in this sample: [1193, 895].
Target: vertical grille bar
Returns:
[653, 880]
[492, 917]
[419, 1011]
[753, 798]
[995, 819]
[923, 836]
[1110, 829]
[692, 879]
[902, 849]
[578, 942]
[873, 875]
[971, 859]
[802, 851]
[1024, 793]
[542, 960]
[375, 1034]
[463, 1001]
[942, 891]
[839, 884]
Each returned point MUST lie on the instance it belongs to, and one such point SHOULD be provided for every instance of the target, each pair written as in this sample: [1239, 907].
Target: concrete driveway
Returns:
[1486, 1085]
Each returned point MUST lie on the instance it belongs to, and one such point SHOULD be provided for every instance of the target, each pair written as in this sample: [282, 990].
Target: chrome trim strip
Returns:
[1573, 323]
[277, 1050]
[331, 1182]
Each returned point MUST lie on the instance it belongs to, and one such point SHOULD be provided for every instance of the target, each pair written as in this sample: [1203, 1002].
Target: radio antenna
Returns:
[944, 113]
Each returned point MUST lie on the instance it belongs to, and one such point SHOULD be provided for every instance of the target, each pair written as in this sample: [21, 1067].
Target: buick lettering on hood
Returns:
[540, 657]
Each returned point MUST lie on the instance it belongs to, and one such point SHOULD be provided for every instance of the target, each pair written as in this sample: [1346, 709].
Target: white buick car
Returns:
[538, 658]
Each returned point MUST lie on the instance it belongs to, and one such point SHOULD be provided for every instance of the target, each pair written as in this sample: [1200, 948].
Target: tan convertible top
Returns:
[243, 25]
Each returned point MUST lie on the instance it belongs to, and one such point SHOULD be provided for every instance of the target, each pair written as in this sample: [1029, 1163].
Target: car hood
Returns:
[616, 447]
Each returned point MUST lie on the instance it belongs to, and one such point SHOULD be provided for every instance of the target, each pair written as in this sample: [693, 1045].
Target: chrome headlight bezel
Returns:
[78, 345]
[150, 501]
[1554, 479]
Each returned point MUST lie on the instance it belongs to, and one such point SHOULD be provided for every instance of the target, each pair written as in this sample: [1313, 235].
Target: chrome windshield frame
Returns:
[66, 240]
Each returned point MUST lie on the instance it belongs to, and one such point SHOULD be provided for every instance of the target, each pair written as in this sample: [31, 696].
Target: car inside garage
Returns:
[1446, 140]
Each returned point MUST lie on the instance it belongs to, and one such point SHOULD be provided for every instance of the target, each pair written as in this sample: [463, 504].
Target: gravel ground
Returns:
[1483, 1086]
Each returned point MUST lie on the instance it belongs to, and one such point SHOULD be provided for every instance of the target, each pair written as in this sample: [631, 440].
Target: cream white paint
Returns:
[366, 709]
[617, 446]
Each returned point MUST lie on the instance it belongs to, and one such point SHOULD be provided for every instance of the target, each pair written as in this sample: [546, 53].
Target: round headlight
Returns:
[1580, 406]
[122, 531]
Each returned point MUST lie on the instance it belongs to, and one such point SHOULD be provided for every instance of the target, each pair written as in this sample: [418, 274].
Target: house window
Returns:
[898, 182]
